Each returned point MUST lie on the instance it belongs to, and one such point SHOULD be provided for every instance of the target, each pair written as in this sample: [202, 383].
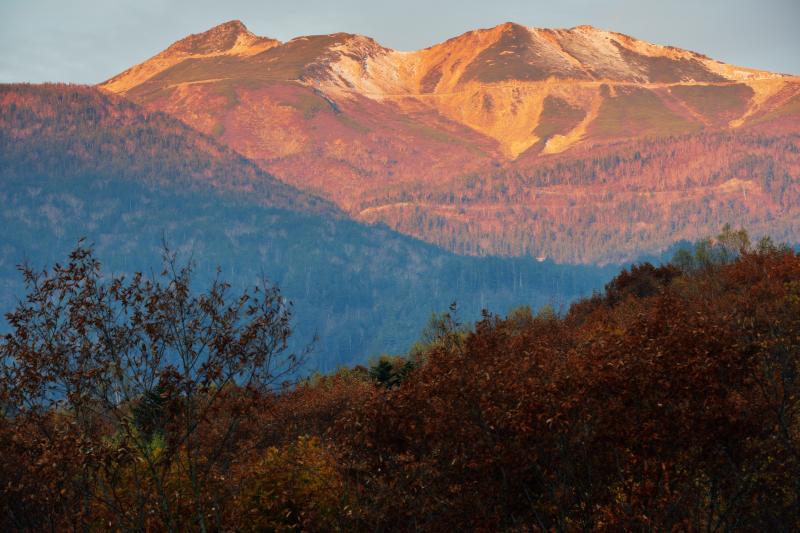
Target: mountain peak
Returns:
[218, 39]
[510, 25]
[228, 38]
[231, 25]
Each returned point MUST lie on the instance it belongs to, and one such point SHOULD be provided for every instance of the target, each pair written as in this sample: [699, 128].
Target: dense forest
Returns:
[607, 203]
[667, 402]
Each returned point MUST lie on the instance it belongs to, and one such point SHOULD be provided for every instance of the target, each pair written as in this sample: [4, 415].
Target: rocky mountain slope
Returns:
[404, 137]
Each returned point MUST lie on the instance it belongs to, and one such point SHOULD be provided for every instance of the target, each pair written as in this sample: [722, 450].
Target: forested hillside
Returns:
[611, 203]
[670, 401]
[77, 163]
[69, 131]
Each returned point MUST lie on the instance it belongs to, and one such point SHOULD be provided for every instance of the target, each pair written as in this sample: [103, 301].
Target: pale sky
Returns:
[88, 41]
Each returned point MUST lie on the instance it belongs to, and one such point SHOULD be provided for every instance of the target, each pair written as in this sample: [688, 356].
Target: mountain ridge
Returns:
[465, 79]
[238, 40]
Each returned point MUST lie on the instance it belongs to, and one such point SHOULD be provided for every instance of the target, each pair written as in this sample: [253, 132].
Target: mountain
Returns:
[79, 130]
[76, 162]
[578, 144]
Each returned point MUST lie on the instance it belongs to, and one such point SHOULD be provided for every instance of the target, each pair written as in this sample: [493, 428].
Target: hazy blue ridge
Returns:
[362, 289]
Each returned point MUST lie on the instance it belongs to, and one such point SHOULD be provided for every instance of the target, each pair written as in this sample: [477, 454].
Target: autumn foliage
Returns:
[668, 402]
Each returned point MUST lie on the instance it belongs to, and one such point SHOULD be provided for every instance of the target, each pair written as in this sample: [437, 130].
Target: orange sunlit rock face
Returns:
[578, 144]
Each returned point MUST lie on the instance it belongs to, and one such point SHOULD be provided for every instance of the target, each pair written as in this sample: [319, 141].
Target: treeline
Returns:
[667, 402]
